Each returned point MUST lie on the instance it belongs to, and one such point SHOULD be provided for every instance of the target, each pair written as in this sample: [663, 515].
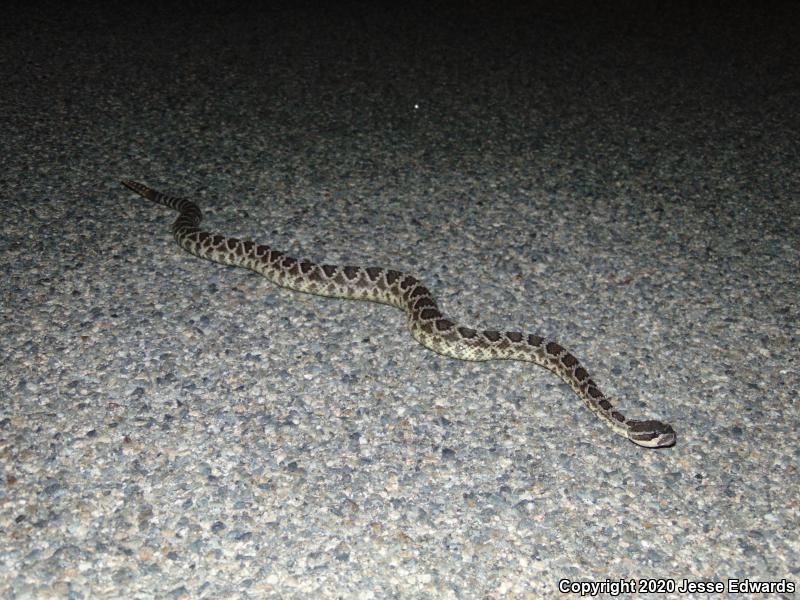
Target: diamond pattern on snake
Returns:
[428, 325]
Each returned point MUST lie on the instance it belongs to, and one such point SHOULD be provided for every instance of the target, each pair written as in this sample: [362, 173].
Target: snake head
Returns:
[651, 434]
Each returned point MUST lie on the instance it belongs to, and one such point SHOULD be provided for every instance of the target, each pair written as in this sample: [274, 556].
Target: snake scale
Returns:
[428, 325]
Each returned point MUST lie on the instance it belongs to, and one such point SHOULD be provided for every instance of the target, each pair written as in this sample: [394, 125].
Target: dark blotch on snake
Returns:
[444, 324]
[491, 335]
[392, 276]
[407, 282]
[535, 340]
[568, 360]
[423, 302]
[420, 290]
[430, 314]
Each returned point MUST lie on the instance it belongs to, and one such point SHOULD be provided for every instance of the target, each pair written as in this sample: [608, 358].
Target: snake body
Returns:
[428, 325]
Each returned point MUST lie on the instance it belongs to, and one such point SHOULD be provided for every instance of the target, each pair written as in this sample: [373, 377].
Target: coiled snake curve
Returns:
[428, 325]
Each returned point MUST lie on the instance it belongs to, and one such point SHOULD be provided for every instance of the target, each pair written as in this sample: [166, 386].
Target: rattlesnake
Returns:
[428, 325]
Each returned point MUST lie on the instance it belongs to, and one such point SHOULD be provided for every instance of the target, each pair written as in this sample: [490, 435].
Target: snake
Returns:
[428, 325]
